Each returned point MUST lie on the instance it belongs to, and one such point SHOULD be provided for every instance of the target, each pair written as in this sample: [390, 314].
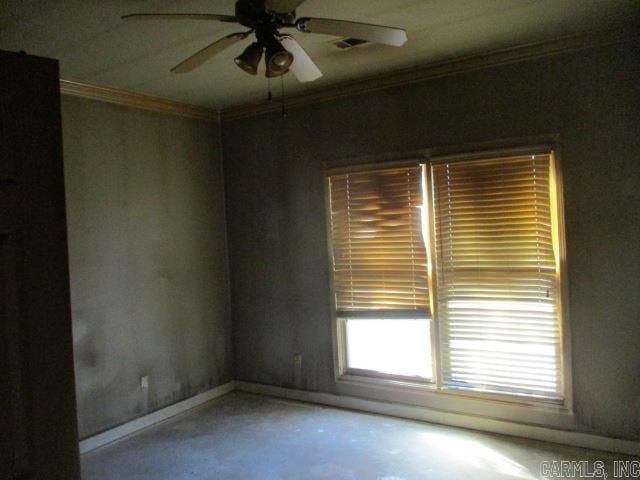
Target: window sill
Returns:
[392, 383]
[495, 406]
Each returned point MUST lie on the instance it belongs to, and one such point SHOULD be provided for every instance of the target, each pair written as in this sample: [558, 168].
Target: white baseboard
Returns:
[134, 426]
[565, 437]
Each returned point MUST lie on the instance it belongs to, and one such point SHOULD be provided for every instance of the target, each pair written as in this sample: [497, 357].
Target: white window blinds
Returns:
[379, 257]
[497, 276]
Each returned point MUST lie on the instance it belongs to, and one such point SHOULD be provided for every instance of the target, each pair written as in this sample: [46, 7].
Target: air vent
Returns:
[347, 43]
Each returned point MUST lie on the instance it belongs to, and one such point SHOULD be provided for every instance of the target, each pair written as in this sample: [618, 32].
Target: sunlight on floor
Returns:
[475, 454]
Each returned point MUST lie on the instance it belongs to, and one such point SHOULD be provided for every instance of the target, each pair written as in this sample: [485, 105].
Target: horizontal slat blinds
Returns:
[497, 276]
[379, 258]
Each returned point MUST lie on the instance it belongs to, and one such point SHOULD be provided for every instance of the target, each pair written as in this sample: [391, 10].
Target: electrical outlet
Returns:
[144, 382]
[297, 361]
[297, 370]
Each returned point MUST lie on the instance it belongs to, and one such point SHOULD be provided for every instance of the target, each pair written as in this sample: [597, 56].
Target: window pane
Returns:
[396, 347]
[498, 278]
[379, 255]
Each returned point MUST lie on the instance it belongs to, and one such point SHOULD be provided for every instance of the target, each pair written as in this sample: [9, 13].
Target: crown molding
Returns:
[434, 70]
[351, 88]
[137, 100]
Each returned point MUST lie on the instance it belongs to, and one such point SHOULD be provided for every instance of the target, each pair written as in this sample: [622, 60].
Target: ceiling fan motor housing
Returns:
[252, 14]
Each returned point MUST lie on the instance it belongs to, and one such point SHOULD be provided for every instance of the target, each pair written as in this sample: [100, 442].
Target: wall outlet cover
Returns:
[297, 361]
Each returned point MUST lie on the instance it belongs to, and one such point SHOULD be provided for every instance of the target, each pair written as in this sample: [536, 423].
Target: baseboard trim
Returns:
[135, 426]
[565, 437]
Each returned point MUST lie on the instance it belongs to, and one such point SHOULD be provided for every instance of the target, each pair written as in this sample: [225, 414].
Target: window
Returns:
[489, 225]
[497, 276]
[380, 271]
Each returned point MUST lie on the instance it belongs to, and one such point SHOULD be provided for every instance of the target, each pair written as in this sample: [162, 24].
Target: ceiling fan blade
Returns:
[180, 16]
[282, 6]
[302, 67]
[362, 31]
[207, 52]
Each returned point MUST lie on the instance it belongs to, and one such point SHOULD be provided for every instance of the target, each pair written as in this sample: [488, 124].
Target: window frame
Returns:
[397, 385]
[338, 323]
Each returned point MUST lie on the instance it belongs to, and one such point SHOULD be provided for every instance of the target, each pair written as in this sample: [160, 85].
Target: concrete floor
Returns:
[245, 437]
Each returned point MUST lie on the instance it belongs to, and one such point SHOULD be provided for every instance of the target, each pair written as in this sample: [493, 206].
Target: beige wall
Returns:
[276, 211]
[148, 259]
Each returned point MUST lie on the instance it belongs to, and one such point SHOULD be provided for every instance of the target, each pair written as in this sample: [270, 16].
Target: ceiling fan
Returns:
[283, 53]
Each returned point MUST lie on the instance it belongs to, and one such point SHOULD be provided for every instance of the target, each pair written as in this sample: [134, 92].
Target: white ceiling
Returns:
[95, 46]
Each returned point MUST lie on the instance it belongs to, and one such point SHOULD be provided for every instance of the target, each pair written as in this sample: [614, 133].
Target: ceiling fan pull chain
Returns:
[284, 108]
[269, 94]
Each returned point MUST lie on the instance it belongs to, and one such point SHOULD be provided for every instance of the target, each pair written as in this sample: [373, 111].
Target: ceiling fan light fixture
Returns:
[278, 59]
[250, 58]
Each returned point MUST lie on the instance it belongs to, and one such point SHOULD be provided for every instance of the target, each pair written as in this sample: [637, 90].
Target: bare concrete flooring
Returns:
[245, 437]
